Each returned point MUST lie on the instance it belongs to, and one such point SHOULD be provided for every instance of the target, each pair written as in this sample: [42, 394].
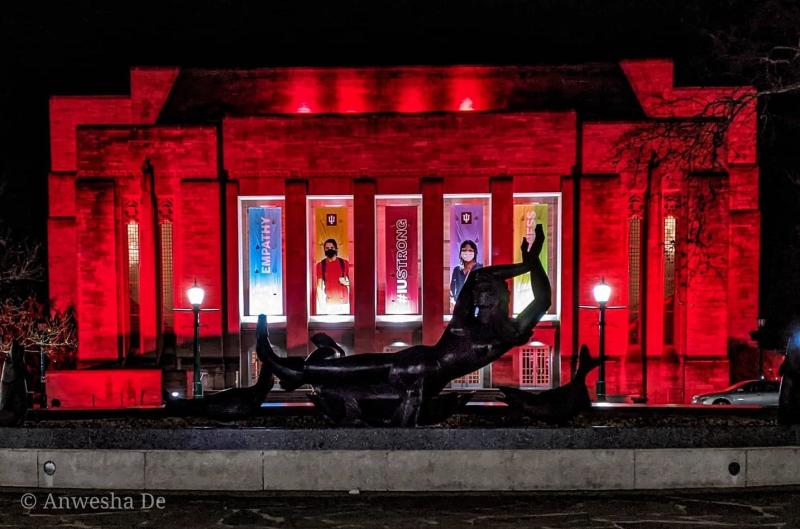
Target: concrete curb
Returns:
[402, 470]
[312, 439]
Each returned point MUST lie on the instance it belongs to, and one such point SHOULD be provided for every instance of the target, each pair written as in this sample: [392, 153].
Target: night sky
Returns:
[88, 47]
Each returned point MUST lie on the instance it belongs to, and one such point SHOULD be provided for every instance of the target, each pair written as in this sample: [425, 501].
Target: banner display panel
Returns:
[466, 224]
[332, 278]
[402, 271]
[526, 217]
[265, 258]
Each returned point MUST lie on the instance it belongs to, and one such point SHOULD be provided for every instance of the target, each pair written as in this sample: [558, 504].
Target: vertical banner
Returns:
[266, 262]
[466, 224]
[332, 277]
[526, 217]
[402, 271]
[331, 223]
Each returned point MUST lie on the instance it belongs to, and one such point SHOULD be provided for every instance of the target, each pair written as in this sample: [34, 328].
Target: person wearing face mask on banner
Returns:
[468, 256]
[333, 281]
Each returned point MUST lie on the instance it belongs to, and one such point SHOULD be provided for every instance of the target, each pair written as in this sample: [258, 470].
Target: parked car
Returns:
[757, 392]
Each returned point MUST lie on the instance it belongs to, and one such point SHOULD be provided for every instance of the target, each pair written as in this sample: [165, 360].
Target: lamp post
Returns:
[762, 322]
[196, 295]
[601, 293]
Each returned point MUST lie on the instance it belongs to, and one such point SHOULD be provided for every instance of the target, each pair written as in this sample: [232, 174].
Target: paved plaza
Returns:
[773, 508]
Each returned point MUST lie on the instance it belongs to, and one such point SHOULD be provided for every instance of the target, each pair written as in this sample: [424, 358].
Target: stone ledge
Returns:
[44, 438]
[403, 470]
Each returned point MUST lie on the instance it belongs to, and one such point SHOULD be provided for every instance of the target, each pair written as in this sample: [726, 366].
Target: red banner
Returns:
[402, 268]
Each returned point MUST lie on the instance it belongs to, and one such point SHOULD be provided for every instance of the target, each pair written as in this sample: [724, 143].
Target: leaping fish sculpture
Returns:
[402, 388]
[789, 393]
[558, 405]
[235, 403]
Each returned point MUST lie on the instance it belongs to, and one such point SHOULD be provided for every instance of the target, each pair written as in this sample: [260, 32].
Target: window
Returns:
[467, 241]
[634, 277]
[529, 210]
[134, 282]
[167, 290]
[332, 267]
[469, 381]
[261, 254]
[399, 259]
[669, 280]
[535, 365]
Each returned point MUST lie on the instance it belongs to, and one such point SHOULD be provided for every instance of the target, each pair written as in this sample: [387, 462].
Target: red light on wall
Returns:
[351, 93]
[105, 388]
[303, 92]
[468, 91]
[412, 97]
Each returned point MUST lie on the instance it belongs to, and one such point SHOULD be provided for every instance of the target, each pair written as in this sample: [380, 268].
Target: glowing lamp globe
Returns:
[602, 292]
[196, 295]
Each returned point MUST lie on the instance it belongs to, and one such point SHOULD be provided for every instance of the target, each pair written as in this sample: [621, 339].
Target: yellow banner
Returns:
[332, 278]
[526, 217]
[331, 223]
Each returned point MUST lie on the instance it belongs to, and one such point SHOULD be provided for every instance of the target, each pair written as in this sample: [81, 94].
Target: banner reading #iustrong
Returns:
[402, 271]
[265, 260]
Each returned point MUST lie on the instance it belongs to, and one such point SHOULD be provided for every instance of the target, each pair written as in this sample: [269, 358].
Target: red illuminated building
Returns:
[236, 178]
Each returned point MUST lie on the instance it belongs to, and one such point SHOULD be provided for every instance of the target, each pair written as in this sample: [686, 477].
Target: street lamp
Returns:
[601, 294]
[762, 322]
[196, 295]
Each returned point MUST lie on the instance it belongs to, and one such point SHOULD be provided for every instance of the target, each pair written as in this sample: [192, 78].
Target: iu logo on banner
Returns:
[330, 219]
[466, 217]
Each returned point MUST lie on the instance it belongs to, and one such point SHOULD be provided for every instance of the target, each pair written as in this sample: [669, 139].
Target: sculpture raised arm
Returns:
[485, 293]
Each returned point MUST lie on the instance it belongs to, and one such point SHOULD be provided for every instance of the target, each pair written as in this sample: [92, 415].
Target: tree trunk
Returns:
[13, 392]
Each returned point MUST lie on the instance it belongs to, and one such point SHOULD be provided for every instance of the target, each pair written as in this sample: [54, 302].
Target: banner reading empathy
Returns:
[526, 217]
[402, 272]
[266, 261]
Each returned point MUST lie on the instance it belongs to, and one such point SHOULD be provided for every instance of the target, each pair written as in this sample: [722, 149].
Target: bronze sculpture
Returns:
[235, 403]
[789, 393]
[557, 405]
[402, 388]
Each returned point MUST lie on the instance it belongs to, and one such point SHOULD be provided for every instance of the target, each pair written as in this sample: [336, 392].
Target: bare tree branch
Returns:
[19, 261]
[28, 322]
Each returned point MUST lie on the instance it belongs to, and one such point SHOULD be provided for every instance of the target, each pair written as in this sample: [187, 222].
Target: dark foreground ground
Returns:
[774, 508]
